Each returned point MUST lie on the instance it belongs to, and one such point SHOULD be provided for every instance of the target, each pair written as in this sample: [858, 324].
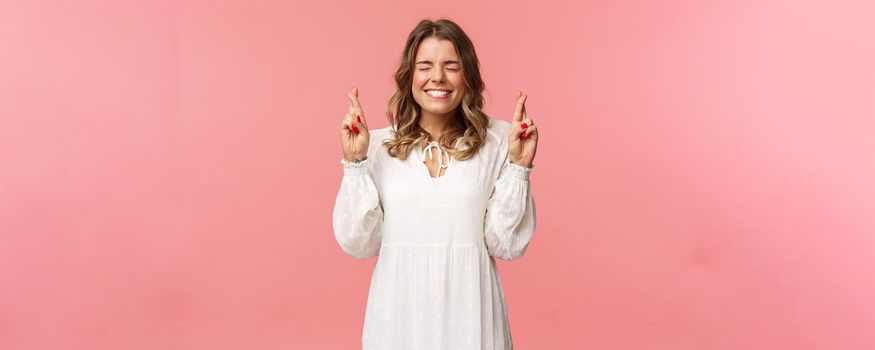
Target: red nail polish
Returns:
[355, 129]
[523, 136]
[359, 118]
[523, 125]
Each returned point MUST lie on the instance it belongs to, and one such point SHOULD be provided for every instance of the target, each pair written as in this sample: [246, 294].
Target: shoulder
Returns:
[375, 145]
[378, 135]
[497, 130]
[494, 148]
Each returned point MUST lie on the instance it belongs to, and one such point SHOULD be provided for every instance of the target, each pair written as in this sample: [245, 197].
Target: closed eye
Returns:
[427, 68]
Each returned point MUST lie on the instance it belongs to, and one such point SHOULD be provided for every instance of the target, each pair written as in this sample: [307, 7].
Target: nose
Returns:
[437, 75]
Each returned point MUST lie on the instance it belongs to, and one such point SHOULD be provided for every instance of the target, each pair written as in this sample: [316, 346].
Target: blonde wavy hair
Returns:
[468, 128]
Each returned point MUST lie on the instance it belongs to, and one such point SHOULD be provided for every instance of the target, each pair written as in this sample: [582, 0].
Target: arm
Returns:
[510, 213]
[358, 213]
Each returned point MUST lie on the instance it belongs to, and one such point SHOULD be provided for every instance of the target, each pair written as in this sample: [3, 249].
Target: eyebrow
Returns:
[446, 62]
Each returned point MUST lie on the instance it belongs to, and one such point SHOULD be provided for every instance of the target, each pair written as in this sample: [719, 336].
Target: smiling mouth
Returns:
[438, 93]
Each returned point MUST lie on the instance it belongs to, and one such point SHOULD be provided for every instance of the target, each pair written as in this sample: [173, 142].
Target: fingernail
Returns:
[523, 125]
[523, 136]
[359, 118]
[355, 129]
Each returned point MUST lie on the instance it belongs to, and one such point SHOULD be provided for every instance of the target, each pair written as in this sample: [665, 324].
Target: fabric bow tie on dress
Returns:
[435, 144]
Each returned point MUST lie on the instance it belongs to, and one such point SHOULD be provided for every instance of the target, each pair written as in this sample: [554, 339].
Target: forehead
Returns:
[436, 50]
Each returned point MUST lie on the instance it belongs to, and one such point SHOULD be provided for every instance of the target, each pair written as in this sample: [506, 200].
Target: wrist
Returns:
[521, 163]
[356, 158]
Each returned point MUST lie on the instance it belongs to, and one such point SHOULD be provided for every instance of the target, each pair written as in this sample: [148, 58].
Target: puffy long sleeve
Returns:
[510, 213]
[358, 213]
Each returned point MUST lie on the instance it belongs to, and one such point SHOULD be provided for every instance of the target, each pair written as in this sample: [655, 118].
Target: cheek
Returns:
[458, 81]
[459, 85]
[419, 79]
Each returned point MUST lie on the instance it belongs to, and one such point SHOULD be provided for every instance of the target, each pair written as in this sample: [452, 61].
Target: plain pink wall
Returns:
[705, 178]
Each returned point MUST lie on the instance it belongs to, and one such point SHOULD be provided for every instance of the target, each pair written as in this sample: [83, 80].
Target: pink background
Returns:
[705, 178]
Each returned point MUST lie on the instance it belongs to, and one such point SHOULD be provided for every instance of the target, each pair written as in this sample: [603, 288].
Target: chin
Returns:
[439, 110]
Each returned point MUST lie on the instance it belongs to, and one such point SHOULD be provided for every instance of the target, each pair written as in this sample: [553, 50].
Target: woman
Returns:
[438, 196]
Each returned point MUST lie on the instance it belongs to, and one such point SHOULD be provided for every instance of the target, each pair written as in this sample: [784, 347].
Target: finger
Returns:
[348, 119]
[361, 120]
[354, 106]
[348, 130]
[520, 110]
[349, 123]
[525, 115]
[359, 127]
[526, 126]
[358, 122]
[516, 132]
[349, 127]
[351, 98]
[530, 132]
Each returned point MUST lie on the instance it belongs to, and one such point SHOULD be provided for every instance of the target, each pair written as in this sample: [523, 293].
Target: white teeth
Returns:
[437, 93]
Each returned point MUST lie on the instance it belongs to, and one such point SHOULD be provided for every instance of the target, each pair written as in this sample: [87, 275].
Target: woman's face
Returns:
[438, 80]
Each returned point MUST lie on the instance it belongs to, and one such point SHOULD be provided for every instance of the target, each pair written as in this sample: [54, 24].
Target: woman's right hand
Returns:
[354, 135]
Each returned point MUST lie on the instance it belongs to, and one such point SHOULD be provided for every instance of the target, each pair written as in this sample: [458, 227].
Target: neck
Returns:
[434, 124]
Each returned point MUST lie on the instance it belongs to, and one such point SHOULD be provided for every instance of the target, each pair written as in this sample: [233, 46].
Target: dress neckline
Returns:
[430, 149]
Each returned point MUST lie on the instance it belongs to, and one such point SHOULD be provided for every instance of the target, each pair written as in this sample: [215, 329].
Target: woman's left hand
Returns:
[523, 137]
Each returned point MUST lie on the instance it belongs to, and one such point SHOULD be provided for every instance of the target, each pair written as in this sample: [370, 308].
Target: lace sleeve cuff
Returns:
[518, 171]
[352, 168]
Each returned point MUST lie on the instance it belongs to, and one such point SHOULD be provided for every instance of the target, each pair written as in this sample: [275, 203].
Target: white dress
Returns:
[435, 284]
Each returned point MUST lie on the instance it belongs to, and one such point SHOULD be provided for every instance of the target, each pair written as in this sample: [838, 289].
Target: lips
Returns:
[438, 93]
